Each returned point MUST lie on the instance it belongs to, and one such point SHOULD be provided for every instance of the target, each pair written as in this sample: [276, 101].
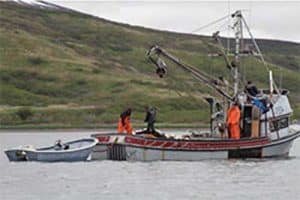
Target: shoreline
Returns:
[136, 126]
[95, 127]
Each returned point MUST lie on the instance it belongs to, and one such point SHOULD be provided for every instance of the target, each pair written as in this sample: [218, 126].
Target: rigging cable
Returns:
[211, 23]
[228, 30]
[259, 52]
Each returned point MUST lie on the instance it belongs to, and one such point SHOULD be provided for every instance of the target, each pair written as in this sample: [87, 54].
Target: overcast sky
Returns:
[268, 19]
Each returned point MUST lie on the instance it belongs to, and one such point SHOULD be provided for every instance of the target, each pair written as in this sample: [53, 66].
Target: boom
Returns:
[161, 69]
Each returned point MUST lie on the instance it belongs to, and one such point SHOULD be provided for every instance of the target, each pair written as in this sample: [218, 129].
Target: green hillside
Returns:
[67, 69]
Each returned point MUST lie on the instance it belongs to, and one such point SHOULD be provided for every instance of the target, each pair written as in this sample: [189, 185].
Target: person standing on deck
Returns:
[124, 122]
[251, 89]
[150, 118]
[233, 121]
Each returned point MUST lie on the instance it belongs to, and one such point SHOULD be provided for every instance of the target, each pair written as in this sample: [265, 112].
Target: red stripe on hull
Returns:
[190, 145]
[103, 139]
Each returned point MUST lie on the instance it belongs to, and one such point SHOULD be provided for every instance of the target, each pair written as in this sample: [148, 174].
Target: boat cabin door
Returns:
[250, 121]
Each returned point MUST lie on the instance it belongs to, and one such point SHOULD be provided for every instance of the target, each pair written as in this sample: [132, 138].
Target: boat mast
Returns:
[238, 28]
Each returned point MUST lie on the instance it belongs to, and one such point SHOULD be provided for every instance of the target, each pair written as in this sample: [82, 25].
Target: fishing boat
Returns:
[264, 123]
[77, 150]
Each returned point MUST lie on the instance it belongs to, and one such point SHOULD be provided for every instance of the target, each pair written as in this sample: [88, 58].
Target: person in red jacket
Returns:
[233, 121]
[124, 122]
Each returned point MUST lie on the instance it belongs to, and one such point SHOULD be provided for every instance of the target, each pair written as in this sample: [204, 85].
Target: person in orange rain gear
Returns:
[124, 122]
[233, 121]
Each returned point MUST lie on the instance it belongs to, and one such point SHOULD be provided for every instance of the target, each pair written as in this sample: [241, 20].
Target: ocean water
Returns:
[210, 179]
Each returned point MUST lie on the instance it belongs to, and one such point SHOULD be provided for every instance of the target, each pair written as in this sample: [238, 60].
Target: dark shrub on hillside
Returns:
[36, 60]
[120, 47]
[96, 71]
[81, 82]
[24, 113]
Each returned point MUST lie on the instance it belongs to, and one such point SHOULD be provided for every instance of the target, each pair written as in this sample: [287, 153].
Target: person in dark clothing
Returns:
[58, 145]
[66, 146]
[150, 119]
[251, 89]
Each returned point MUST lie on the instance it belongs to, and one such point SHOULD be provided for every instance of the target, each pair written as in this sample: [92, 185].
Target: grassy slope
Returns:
[75, 70]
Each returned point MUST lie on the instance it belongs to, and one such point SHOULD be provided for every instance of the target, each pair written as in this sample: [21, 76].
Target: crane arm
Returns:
[161, 70]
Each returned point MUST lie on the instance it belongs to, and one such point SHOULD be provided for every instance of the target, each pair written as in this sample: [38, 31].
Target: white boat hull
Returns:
[80, 150]
[125, 151]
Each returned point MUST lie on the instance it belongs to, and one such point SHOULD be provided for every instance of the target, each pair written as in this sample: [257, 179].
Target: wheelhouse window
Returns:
[278, 124]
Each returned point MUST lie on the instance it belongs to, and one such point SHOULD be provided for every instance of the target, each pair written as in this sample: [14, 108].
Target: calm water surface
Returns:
[210, 179]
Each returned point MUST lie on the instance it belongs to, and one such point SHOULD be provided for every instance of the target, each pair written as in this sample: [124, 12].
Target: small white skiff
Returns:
[78, 150]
